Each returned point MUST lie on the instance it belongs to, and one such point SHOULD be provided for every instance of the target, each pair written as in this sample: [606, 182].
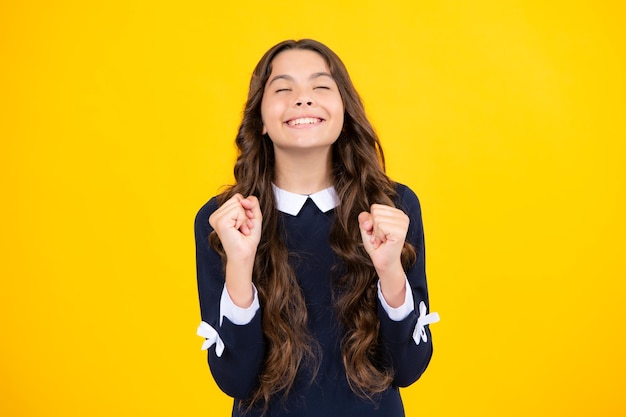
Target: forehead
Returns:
[298, 62]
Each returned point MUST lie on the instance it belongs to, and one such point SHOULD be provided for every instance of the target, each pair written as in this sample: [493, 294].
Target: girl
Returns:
[311, 267]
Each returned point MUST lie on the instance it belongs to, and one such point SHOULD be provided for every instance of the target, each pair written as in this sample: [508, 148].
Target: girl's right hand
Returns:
[238, 224]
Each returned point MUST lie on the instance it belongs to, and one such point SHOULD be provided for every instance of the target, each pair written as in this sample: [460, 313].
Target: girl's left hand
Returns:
[384, 231]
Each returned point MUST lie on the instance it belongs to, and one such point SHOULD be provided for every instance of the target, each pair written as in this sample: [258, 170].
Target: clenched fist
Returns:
[383, 230]
[238, 224]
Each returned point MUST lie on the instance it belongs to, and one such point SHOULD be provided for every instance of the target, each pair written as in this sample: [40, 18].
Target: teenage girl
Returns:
[311, 267]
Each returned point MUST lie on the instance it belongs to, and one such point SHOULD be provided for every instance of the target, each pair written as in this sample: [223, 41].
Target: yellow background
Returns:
[117, 122]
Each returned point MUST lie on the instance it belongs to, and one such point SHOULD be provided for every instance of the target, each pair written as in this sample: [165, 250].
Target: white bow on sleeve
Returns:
[419, 334]
[207, 331]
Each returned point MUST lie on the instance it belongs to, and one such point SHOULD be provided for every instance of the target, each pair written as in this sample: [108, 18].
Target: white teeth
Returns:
[303, 121]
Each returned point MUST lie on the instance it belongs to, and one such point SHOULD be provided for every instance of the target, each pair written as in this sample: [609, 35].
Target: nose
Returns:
[303, 97]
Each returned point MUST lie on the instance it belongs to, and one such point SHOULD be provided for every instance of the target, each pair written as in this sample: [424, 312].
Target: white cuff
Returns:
[402, 312]
[235, 314]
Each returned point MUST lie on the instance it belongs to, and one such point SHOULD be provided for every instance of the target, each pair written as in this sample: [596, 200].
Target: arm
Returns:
[237, 367]
[407, 347]
[403, 295]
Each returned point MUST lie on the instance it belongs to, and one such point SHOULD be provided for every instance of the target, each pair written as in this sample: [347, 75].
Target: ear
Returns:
[264, 131]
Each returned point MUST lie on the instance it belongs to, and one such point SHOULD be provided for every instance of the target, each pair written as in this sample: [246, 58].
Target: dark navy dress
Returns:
[236, 364]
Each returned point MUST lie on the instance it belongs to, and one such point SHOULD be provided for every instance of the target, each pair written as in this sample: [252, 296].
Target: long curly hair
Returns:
[358, 175]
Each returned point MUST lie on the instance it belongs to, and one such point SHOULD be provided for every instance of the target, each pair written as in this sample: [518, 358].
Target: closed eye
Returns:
[280, 90]
[324, 87]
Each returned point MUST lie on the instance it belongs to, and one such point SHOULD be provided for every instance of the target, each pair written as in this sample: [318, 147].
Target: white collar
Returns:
[292, 203]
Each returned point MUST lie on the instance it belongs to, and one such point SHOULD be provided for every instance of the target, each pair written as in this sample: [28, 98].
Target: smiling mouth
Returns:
[304, 121]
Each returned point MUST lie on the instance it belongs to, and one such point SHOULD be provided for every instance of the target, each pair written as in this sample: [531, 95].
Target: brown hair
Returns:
[358, 173]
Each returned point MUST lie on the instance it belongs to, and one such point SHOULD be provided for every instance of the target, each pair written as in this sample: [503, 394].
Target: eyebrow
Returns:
[290, 78]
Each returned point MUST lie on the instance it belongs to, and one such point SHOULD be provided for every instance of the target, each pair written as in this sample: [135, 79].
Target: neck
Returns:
[304, 173]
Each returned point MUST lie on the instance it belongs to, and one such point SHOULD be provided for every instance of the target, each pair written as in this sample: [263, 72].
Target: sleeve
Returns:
[235, 351]
[408, 342]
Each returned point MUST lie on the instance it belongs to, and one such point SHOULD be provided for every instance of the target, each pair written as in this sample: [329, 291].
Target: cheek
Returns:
[340, 112]
[269, 112]
[340, 125]
[264, 117]
[339, 108]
